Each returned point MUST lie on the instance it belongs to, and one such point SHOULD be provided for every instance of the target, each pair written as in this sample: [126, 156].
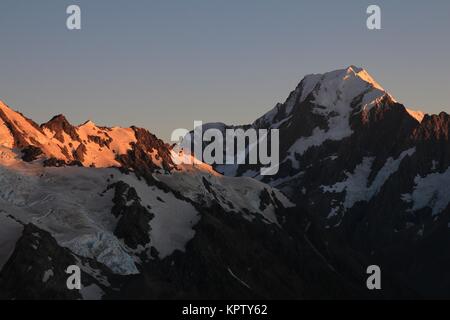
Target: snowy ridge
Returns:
[88, 143]
[418, 115]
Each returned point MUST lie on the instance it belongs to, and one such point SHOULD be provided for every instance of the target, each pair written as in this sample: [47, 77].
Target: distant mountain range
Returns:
[362, 180]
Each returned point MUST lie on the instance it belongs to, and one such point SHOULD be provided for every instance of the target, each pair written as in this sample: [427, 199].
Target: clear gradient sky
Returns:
[163, 64]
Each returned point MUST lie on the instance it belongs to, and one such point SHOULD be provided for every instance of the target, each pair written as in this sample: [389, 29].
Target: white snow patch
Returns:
[333, 213]
[431, 191]
[172, 226]
[47, 275]
[356, 183]
[309, 83]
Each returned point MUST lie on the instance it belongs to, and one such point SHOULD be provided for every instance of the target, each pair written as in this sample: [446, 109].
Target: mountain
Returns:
[370, 172]
[88, 145]
[112, 202]
[362, 181]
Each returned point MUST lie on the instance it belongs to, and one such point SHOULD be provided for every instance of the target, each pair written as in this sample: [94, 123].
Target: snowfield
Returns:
[431, 191]
[74, 204]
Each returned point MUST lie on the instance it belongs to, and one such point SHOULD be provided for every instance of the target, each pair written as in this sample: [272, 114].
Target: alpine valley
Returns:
[362, 181]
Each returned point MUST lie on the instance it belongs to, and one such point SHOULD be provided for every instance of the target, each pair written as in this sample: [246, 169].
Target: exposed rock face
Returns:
[434, 128]
[53, 162]
[31, 153]
[134, 219]
[147, 154]
[37, 269]
[233, 258]
[80, 152]
[101, 142]
[267, 198]
[60, 125]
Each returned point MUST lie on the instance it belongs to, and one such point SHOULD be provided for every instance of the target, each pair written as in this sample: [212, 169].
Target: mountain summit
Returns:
[336, 91]
[368, 170]
[324, 108]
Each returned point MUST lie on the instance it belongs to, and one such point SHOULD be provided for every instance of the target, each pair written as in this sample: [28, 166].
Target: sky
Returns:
[163, 64]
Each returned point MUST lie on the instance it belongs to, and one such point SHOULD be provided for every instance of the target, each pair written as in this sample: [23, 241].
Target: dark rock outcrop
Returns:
[53, 162]
[31, 153]
[139, 158]
[59, 124]
[134, 219]
[37, 269]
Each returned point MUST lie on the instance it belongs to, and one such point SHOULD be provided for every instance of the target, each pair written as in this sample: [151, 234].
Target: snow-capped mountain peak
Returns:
[343, 85]
[327, 108]
[341, 91]
[348, 74]
[88, 123]
[365, 76]
[331, 100]
[322, 107]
